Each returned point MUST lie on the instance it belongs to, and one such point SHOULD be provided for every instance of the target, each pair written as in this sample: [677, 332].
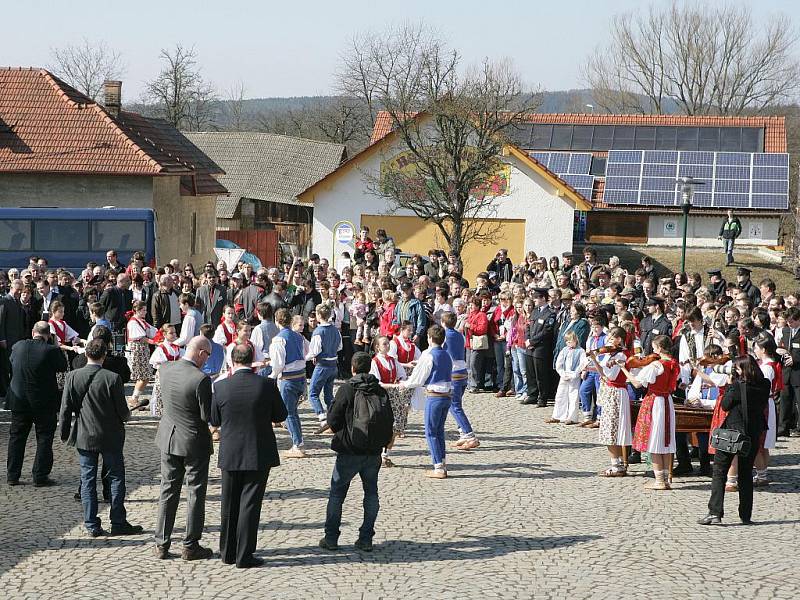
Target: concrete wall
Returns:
[174, 216]
[74, 191]
[702, 231]
[548, 218]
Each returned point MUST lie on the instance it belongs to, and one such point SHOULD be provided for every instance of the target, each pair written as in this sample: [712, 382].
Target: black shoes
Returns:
[323, 427]
[196, 552]
[682, 470]
[126, 529]
[710, 520]
[46, 482]
[363, 545]
[99, 532]
[327, 544]
[635, 458]
[746, 521]
[14, 482]
[161, 552]
[252, 562]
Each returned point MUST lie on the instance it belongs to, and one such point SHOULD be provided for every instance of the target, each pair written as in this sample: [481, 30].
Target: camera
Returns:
[723, 369]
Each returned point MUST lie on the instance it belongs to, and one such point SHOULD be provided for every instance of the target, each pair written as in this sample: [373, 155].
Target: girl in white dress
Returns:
[139, 334]
[226, 330]
[766, 352]
[615, 418]
[388, 371]
[166, 351]
[569, 364]
[66, 337]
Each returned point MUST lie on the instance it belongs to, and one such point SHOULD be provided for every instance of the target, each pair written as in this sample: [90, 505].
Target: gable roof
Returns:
[774, 126]
[47, 126]
[562, 187]
[266, 166]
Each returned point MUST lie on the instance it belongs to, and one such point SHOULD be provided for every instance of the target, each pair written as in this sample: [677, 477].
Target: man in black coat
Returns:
[251, 296]
[654, 324]
[539, 342]
[305, 301]
[245, 406]
[501, 265]
[746, 286]
[70, 298]
[12, 329]
[97, 399]
[789, 417]
[114, 301]
[34, 399]
[213, 296]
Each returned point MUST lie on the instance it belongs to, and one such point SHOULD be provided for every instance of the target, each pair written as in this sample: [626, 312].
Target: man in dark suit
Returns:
[251, 296]
[655, 323]
[34, 399]
[185, 443]
[12, 329]
[212, 295]
[114, 303]
[790, 396]
[97, 398]
[245, 406]
[539, 342]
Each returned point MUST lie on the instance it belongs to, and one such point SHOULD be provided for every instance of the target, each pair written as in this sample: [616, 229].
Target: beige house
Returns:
[59, 148]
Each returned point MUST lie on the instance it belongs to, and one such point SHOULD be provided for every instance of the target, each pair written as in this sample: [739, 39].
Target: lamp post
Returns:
[686, 186]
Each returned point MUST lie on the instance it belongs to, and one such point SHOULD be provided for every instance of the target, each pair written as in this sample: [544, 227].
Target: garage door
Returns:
[414, 235]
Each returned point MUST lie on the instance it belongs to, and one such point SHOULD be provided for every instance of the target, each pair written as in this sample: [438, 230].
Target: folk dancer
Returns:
[139, 333]
[705, 391]
[388, 371]
[166, 351]
[456, 347]
[326, 342]
[434, 373]
[402, 346]
[66, 338]
[226, 330]
[766, 352]
[287, 352]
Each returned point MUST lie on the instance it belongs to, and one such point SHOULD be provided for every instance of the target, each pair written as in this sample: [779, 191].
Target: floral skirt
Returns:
[138, 356]
[615, 419]
[156, 404]
[61, 378]
[651, 426]
[400, 399]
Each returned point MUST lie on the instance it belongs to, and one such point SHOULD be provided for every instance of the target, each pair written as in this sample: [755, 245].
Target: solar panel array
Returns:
[731, 179]
[572, 167]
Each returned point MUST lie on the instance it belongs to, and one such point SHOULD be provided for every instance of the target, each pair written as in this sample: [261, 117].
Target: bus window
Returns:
[15, 234]
[63, 236]
[123, 236]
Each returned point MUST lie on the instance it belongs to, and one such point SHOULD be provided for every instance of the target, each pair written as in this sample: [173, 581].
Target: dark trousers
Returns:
[789, 409]
[537, 372]
[482, 361]
[21, 423]
[508, 374]
[173, 470]
[242, 496]
[345, 356]
[722, 461]
[347, 466]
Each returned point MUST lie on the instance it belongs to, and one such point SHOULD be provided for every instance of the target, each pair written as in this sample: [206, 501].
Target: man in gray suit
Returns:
[186, 447]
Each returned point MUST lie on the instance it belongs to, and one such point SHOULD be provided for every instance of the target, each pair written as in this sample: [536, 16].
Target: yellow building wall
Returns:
[414, 235]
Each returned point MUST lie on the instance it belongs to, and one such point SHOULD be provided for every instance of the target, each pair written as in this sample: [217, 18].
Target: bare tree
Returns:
[179, 93]
[343, 121]
[357, 76]
[701, 58]
[235, 106]
[455, 147]
[86, 65]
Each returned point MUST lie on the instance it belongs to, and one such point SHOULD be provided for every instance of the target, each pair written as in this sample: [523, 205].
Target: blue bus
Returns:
[72, 237]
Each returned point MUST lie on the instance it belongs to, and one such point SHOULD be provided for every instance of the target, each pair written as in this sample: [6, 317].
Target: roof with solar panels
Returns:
[631, 162]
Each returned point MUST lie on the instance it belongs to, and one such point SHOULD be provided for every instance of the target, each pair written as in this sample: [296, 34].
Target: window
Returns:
[65, 236]
[709, 138]
[603, 134]
[623, 137]
[686, 138]
[562, 137]
[645, 138]
[15, 235]
[730, 139]
[582, 137]
[598, 166]
[752, 139]
[541, 137]
[665, 138]
[125, 236]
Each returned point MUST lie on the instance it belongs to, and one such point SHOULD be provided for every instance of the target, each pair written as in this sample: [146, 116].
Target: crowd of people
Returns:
[590, 340]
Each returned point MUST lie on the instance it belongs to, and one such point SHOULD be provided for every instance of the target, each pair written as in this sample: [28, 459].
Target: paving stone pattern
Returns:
[523, 516]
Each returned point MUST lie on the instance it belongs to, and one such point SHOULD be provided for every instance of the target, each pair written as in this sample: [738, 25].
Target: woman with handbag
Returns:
[477, 336]
[745, 401]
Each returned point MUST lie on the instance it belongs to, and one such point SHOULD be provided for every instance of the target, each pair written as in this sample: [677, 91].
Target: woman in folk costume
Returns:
[708, 386]
[766, 352]
[655, 426]
[166, 351]
[243, 331]
[613, 398]
[388, 370]
[403, 348]
[720, 414]
[139, 333]
[66, 337]
[226, 330]
[569, 363]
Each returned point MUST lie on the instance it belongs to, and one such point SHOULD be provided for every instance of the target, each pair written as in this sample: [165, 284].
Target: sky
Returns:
[294, 48]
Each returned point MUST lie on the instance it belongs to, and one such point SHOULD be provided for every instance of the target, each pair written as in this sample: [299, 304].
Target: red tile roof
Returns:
[774, 127]
[46, 126]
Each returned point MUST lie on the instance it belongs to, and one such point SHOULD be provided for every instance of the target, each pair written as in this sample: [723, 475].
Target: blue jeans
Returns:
[590, 387]
[346, 467]
[265, 371]
[115, 464]
[518, 365]
[729, 249]
[436, 408]
[291, 390]
[500, 362]
[457, 409]
[322, 382]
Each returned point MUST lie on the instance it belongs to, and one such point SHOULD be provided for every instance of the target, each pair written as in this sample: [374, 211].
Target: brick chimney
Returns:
[112, 91]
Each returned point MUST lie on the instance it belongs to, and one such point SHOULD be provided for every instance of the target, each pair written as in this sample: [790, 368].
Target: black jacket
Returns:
[12, 321]
[115, 303]
[100, 407]
[212, 314]
[541, 332]
[651, 328]
[504, 270]
[115, 364]
[757, 396]
[34, 364]
[753, 293]
[245, 406]
[341, 412]
[304, 304]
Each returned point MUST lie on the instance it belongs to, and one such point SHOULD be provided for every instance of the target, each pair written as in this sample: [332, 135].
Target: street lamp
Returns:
[686, 186]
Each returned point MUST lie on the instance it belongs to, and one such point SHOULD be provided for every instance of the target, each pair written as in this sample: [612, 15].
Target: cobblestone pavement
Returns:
[523, 516]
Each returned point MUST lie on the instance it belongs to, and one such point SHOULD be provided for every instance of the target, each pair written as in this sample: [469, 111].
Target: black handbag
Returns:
[731, 440]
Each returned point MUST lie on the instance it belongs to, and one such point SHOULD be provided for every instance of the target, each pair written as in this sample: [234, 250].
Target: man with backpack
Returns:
[361, 419]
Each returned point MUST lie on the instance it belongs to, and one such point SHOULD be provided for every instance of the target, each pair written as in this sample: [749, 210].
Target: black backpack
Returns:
[371, 427]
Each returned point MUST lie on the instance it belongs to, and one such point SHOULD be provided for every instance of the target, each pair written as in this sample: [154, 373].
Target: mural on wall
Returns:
[496, 185]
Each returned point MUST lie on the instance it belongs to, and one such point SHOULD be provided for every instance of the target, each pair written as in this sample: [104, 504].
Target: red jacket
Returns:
[499, 316]
[478, 324]
[387, 317]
